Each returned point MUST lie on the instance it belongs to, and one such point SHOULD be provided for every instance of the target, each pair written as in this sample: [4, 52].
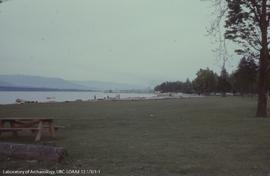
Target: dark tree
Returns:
[245, 77]
[205, 82]
[178, 86]
[223, 84]
[247, 23]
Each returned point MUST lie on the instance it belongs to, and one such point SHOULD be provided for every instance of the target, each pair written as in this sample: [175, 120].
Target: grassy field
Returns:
[198, 136]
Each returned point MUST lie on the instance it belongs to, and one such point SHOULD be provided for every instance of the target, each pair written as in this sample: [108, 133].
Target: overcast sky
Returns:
[129, 41]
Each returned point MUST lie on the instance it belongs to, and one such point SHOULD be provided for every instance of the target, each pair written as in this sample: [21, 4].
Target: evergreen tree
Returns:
[205, 82]
[223, 84]
[247, 23]
[246, 76]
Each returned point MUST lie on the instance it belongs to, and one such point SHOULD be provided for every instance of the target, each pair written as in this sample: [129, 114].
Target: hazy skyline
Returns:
[129, 41]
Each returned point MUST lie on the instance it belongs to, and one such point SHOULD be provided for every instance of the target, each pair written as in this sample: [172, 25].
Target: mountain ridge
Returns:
[40, 82]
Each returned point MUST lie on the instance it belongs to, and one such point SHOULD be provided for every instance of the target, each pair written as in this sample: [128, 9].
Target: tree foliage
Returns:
[242, 81]
[247, 23]
[223, 83]
[245, 77]
[178, 86]
[242, 25]
[205, 82]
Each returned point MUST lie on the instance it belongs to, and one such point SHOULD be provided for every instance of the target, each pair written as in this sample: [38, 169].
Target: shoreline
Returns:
[163, 96]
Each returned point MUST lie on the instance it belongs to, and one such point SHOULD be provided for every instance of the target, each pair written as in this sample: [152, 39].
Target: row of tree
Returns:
[242, 81]
[247, 23]
[178, 86]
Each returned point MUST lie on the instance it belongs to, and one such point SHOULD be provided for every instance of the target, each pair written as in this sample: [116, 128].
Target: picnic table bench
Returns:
[35, 125]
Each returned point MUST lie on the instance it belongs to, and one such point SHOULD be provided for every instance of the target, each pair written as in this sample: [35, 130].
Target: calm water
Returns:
[9, 97]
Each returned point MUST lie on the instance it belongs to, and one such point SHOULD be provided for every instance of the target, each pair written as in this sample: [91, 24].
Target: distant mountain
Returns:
[5, 84]
[102, 85]
[37, 82]
[24, 82]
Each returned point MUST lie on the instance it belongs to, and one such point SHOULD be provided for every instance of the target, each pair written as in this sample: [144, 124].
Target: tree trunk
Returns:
[262, 83]
[32, 152]
[264, 63]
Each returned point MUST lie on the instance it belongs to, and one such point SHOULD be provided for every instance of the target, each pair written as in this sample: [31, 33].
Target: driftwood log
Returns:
[32, 152]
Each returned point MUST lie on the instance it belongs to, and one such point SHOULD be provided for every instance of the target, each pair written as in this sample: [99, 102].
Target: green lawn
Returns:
[210, 136]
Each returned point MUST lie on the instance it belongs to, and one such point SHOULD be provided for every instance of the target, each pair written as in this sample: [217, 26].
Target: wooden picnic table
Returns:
[38, 125]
